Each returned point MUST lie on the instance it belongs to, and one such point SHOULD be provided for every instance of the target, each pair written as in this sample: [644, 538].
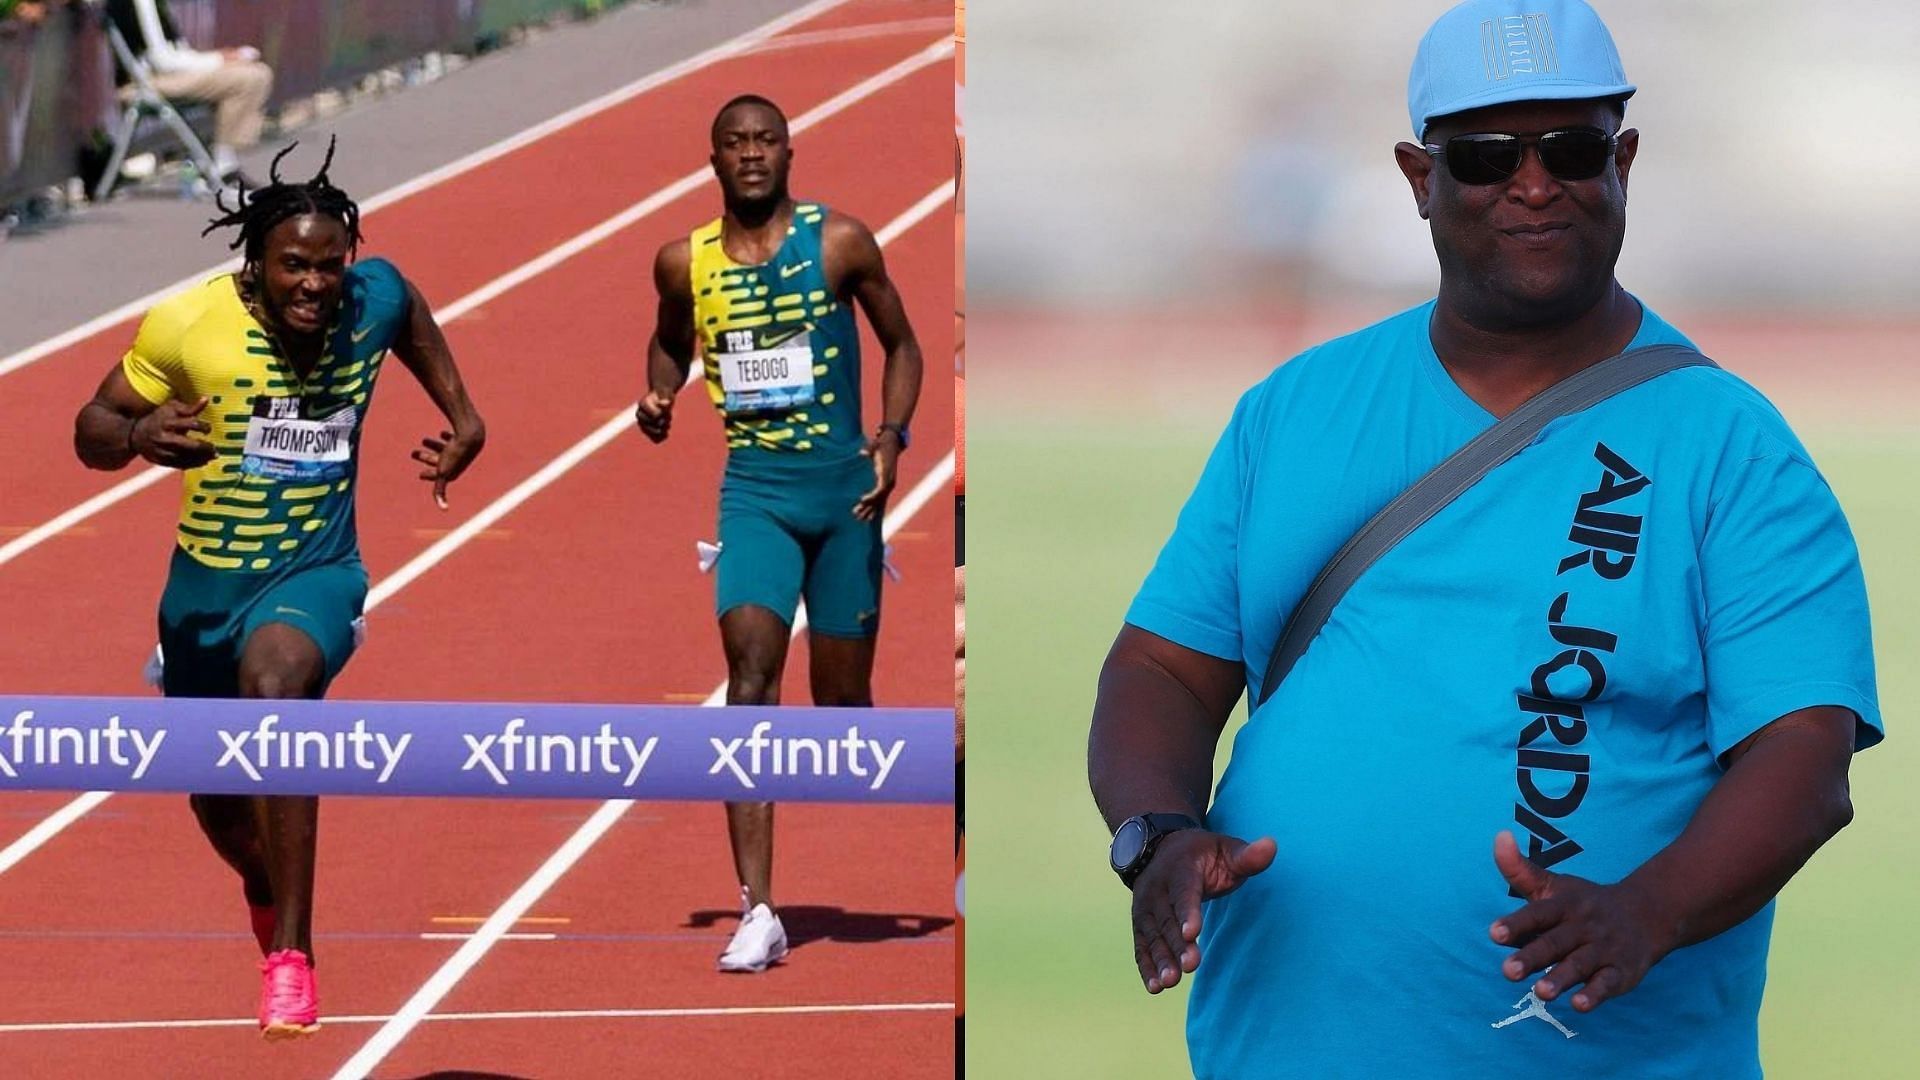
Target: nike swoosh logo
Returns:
[778, 338]
[788, 271]
[278, 610]
[362, 335]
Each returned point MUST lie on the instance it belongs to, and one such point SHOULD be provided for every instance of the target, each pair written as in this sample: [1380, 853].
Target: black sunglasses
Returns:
[1489, 157]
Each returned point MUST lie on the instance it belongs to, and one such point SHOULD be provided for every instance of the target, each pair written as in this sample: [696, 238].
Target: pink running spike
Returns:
[289, 996]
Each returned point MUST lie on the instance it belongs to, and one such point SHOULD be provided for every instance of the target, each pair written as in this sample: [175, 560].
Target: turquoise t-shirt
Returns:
[1564, 652]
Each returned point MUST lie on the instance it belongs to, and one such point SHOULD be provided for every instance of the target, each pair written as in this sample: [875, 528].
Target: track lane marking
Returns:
[520, 275]
[51, 826]
[726, 50]
[523, 1014]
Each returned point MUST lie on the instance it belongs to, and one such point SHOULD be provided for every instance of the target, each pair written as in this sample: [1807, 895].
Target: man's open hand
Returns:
[1188, 867]
[447, 457]
[1606, 936]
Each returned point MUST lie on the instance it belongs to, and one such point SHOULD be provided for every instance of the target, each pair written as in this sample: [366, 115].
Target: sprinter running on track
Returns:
[256, 385]
[764, 293]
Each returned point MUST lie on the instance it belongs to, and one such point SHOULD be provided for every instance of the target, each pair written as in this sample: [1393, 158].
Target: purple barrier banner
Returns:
[465, 749]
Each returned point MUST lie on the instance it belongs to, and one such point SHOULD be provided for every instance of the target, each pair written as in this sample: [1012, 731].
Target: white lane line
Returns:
[931, 201]
[524, 1014]
[49, 827]
[67, 519]
[520, 275]
[612, 429]
[450, 935]
[693, 181]
[725, 50]
[510, 913]
[46, 830]
[852, 33]
[441, 982]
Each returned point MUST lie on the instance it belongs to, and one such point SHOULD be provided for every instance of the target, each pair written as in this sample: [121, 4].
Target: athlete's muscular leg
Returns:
[228, 821]
[756, 643]
[841, 670]
[280, 661]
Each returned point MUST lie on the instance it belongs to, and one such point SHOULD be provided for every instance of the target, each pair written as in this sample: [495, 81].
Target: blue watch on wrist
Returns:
[901, 431]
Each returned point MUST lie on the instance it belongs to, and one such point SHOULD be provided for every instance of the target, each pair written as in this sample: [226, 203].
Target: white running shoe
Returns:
[760, 941]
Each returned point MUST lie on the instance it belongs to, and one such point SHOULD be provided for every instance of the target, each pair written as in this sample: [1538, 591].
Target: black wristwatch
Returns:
[1137, 837]
[900, 430]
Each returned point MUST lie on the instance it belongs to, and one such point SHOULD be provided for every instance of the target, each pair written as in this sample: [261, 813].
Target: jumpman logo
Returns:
[1531, 1005]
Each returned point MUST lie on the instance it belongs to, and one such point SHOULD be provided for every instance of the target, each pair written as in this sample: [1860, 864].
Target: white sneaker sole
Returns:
[752, 967]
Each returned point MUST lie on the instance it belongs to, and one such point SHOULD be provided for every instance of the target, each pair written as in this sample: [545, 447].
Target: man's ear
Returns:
[1623, 155]
[1417, 166]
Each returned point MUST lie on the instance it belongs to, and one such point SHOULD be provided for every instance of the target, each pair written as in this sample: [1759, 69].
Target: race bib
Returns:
[284, 444]
[765, 369]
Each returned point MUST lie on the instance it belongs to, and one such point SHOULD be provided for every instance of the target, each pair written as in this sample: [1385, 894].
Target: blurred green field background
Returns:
[1069, 503]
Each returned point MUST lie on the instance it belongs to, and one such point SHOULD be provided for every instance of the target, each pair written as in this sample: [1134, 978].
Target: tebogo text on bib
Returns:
[765, 369]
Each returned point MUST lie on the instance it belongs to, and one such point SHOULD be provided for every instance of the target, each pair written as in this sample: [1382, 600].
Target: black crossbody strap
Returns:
[1447, 480]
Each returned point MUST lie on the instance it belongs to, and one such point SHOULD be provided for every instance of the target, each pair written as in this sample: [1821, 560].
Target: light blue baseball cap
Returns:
[1490, 52]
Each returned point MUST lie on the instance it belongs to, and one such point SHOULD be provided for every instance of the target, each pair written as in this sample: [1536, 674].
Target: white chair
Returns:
[143, 99]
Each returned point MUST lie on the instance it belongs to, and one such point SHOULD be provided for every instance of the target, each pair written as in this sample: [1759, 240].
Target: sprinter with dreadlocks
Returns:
[255, 385]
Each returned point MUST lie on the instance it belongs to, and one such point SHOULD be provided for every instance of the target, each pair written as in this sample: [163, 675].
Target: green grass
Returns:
[1063, 523]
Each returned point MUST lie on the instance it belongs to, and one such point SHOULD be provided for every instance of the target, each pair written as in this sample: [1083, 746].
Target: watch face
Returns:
[1127, 843]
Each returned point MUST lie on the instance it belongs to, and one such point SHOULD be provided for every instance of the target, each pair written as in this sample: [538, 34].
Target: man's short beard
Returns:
[1500, 310]
[759, 209]
[1488, 306]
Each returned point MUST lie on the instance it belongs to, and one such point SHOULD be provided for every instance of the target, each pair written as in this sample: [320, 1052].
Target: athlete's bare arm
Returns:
[119, 425]
[423, 349]
[856, 270]
[670, 350]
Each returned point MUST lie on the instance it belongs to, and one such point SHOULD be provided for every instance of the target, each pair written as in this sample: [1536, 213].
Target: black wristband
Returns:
[131, 452]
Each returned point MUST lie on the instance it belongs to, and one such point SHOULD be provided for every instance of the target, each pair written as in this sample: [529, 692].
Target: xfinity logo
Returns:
[454, 749]
[24, 745]
[513, 750]
[260, 748]
[761, 754]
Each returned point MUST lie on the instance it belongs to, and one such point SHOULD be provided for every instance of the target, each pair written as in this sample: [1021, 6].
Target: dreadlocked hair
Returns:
[256, 212]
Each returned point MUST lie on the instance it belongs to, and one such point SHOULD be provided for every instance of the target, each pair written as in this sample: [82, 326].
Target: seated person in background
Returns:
[30, 12]
[18, 19]
[233, 80]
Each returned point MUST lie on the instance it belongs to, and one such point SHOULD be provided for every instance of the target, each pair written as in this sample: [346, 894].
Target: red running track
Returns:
[587, 591]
